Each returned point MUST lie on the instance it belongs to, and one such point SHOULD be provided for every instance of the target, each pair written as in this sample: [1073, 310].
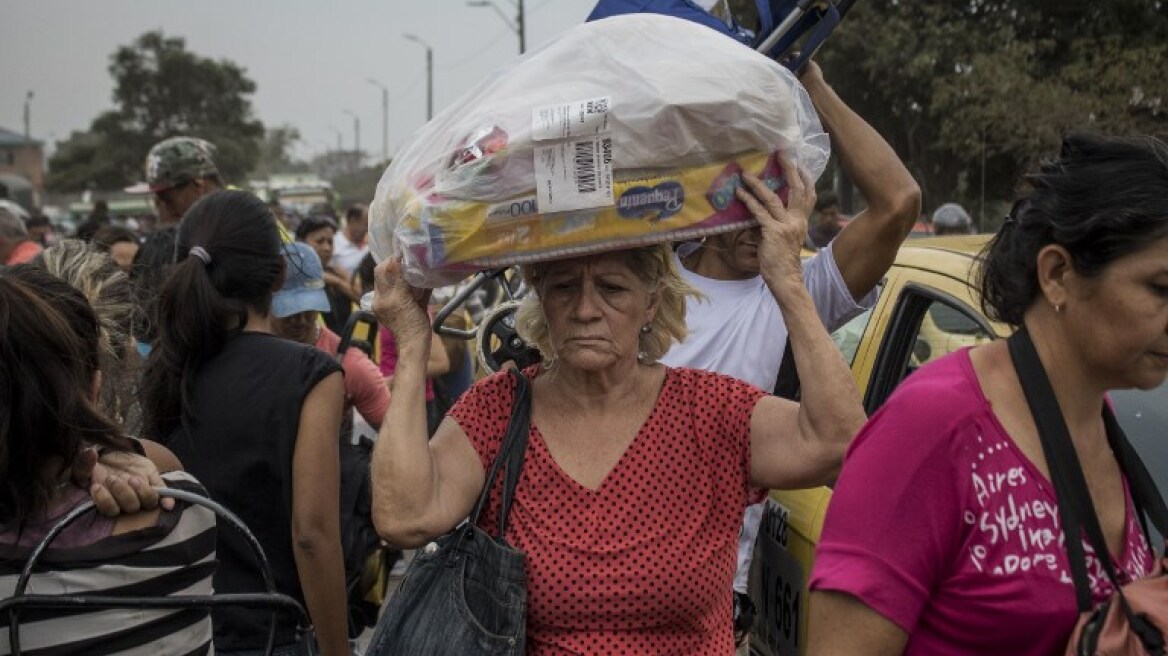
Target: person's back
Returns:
[239, 440]
[181, 543]
[49, 340]
[256, 416]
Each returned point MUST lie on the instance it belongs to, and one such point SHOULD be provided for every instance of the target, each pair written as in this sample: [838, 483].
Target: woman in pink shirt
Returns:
[943, 535]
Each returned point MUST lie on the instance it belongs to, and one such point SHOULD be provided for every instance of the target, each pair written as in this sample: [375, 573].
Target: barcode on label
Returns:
[585, 161]
[598, 106]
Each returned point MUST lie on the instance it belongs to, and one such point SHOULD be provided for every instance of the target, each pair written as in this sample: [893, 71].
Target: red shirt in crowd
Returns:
[645, 563]
[23, 253]
[364, 386]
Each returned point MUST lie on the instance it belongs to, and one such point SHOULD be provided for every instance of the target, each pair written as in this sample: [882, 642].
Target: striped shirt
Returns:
[176, 556]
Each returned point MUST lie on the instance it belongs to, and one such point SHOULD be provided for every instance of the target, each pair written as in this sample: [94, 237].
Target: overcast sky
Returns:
[310, 59]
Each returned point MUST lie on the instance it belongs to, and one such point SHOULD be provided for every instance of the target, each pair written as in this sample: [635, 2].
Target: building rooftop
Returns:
[10, 138]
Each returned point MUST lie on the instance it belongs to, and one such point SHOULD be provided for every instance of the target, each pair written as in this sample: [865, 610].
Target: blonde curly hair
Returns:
[655, 266]
[111, 295]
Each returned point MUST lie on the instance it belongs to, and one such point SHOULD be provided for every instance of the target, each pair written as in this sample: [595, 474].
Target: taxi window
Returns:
[943, 330]
[847, 337]
[926, 324]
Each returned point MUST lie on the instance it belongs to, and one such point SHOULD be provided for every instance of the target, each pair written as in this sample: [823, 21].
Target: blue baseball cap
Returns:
[303, 288]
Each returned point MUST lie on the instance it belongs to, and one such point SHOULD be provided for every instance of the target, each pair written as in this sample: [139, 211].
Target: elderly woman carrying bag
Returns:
[635, 475]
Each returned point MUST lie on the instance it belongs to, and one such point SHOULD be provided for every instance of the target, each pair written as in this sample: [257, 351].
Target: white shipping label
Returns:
[574, 175]
[582, 118]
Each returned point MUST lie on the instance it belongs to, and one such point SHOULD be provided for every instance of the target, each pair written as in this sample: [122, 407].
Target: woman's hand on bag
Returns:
[783, 226]
[399, 306]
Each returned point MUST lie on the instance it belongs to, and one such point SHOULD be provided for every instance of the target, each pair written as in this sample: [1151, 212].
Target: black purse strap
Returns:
[511, 454]
[1147, 498]
[1076, 511]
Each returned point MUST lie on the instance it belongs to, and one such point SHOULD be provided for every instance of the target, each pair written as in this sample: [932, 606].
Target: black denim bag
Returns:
[466, 592]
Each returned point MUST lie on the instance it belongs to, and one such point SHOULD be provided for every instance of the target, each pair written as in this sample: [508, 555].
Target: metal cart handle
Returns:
[271, 597]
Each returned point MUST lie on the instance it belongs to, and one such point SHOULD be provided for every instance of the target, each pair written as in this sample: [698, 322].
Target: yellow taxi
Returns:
[928, 307]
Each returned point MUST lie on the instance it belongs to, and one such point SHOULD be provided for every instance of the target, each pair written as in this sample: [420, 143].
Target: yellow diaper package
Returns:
[596, 141]
[685, 204]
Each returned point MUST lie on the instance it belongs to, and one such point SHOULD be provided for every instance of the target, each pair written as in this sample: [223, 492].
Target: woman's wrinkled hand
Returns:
[399, 306]
[120, 483]
[783, 227]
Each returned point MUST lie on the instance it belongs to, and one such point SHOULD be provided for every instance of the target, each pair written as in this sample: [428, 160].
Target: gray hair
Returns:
[11, 226]
[952, 218]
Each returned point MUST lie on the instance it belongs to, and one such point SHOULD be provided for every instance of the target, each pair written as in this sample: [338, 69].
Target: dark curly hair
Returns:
[1102, 198]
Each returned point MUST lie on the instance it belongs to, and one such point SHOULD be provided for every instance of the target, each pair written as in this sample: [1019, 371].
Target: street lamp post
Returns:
[429, 73]
[27, 115]
[981, 225]
[384, 117]
[340, 148]
[518, 26]
[356, 131]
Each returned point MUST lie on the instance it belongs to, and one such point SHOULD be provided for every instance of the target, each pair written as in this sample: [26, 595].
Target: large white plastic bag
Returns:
[688, 110]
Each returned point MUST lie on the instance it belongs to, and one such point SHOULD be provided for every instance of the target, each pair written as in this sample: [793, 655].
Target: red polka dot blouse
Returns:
[644, 564]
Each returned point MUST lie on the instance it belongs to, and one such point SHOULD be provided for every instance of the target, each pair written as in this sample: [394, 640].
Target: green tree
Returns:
[358, 186]
[162, 90]
[961, 85]
[276, 153]
[80, 162]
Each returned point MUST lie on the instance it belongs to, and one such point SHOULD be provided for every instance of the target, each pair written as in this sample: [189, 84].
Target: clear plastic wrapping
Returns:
[626, 131]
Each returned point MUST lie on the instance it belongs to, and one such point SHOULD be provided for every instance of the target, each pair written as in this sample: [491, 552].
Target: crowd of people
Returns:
[215, 355]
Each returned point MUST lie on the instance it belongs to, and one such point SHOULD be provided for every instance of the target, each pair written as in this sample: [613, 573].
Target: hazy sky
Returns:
[310, 59]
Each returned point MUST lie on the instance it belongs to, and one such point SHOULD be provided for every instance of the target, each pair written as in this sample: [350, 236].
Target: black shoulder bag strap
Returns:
[1145, 495]
[1076, 512]
[787, 384]
[511, 455]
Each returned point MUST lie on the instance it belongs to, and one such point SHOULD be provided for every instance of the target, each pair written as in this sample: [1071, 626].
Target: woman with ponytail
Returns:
[255, 417]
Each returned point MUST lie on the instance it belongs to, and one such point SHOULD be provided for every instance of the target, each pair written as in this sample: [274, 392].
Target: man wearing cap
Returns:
[179, 171]
[296, 312]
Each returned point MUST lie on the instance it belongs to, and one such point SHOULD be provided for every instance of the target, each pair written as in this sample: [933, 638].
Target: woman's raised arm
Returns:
[796, 445]
[422, 488]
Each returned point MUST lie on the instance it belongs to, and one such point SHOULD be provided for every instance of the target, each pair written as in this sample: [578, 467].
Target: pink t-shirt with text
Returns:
[941, 525]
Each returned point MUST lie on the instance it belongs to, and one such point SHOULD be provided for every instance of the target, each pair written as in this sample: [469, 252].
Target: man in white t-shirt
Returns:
[349, 245]
[738, 329]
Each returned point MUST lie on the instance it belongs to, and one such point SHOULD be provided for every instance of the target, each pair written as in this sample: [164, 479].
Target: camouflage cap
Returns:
[176, 161]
